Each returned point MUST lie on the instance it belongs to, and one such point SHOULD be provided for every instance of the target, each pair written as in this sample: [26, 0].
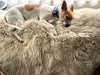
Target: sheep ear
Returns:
[64, 5]
[72, 8]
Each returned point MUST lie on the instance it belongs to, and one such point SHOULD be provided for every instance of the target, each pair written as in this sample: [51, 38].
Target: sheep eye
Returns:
[67, 17]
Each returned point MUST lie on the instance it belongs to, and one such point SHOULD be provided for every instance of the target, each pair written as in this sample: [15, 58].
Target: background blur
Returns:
[77, 3]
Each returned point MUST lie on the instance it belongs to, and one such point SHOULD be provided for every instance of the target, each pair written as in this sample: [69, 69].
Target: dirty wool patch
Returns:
[74, 51]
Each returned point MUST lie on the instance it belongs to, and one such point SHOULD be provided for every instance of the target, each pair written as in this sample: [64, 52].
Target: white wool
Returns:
[74, 51]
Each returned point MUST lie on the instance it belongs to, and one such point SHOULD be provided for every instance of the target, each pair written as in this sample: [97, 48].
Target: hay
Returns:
[74, 51]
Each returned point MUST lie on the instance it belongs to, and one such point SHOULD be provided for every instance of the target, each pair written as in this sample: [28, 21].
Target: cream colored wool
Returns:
[74, 51]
